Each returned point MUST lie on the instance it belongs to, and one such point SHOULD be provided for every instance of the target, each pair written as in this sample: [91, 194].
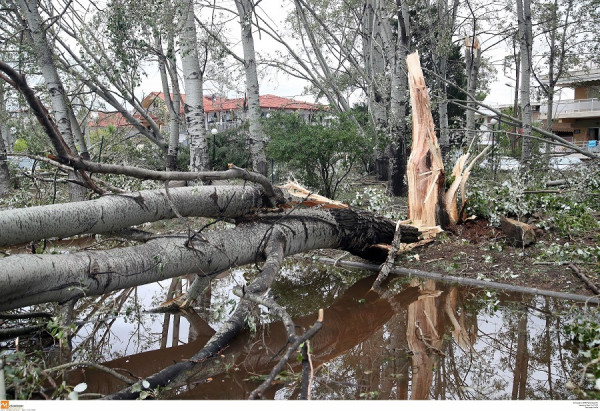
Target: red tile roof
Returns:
[106, 119]
[211, 105]
[215, 104]
[276, 102]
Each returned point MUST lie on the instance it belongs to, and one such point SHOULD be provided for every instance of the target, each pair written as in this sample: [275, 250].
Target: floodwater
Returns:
[419, 340]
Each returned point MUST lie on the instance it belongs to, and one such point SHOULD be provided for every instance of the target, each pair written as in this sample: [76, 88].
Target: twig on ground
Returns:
[584, 278]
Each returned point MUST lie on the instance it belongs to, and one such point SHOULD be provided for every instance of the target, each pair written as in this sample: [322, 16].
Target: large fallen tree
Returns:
[267, 224]
[24, 279]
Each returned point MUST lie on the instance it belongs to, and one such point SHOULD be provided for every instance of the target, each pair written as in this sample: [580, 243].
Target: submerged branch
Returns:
[180, 372]
[78, 364]
[462, 280]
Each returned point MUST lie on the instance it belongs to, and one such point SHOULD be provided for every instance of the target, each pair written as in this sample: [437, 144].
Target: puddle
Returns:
[428, 340]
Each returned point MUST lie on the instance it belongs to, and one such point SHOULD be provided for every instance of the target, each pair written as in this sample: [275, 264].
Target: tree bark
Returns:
[375, 67]
[4, 173]
[525, 41]
[446, 22]
[517, 233]
[112, 213]
[193, 83]
[257, 140]
[60, 108]
[23, 281]
[398, 104]
[172, 100]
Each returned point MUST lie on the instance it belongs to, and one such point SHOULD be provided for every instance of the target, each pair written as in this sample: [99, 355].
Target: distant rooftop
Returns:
[217, 103]
[575, 77]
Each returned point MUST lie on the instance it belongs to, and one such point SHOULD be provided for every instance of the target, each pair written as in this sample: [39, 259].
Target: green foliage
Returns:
[29, 136]
[320, 155]
[20, 146]
[118, 148]
[570, 212]
[24, 378]
[143, 387]
[376, 200]
[492, 201]
[570, 252]
[229, 147]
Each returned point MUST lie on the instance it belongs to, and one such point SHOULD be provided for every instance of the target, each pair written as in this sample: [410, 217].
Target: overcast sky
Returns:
[501, 90]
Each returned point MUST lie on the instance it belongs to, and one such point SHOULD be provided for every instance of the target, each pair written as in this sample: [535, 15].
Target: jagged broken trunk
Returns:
[425, 169]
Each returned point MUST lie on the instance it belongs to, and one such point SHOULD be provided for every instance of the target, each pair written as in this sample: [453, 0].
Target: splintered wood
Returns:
[310, 199]
[425, 169]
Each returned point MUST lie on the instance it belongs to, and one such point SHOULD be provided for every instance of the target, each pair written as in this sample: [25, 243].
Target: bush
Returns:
[321, 154]
[229, 147]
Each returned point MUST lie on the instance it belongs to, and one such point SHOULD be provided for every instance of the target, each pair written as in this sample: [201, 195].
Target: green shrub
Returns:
[320, 154]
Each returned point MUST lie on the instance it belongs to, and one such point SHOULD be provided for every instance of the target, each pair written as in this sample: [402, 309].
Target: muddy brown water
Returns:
[420, 340]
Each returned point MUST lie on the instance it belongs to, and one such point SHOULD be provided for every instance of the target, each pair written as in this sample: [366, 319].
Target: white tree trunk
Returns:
[172, 100]
[257, 138]
[112, 213]
[525, 41]
[193, 79]
[4, 174]
[60, 108]
[25, 278]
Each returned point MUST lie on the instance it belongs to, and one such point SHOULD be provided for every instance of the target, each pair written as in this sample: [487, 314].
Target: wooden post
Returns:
[425, 169]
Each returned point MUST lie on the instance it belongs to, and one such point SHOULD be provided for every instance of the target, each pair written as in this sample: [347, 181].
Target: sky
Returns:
[501, 90]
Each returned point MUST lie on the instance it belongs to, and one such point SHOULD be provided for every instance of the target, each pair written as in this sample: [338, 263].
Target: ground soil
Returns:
[477, 250]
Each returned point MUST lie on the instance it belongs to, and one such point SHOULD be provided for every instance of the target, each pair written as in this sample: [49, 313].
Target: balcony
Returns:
[586, 108]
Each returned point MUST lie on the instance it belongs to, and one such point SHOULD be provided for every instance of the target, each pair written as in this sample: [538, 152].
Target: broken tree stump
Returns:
[517, 233]
[425, 168]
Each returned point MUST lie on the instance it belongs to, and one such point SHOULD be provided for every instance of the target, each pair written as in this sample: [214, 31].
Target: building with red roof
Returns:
[220, 113]
[225, 113]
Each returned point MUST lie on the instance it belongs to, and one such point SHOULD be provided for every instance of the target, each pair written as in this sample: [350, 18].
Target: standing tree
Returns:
[62, 112]
[526, 45]
[4, 174]
[257, 140]
[398, 101]
[167, 67]
[193, 81]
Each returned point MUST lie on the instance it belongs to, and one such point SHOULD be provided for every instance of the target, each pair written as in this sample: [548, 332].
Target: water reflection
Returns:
[420, 340]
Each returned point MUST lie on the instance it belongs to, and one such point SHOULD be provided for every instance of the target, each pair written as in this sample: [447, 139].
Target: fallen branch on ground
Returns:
[463, 281]
[584, 278]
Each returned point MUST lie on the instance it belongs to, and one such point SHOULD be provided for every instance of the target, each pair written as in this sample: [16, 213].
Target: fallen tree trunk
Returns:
[517, 233]
[34, 279]
[115, 212]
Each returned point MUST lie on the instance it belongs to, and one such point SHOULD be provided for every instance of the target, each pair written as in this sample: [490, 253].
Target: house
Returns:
[223, 113]
[578, 119]
[104, 119]
[220, 113]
